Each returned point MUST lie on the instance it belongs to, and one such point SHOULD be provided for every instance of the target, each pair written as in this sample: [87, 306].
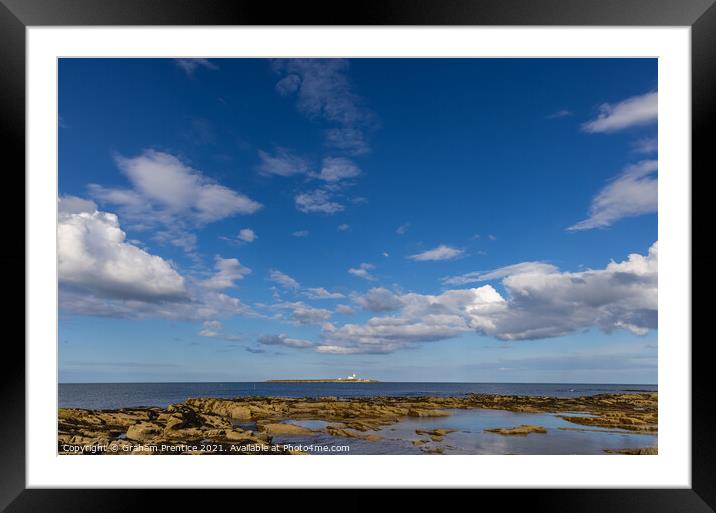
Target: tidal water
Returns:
[469, 436]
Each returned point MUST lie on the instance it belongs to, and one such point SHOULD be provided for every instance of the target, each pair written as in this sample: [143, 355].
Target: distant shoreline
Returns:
[359, 380]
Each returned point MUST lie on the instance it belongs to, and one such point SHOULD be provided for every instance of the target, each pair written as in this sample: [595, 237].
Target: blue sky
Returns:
[404, 219]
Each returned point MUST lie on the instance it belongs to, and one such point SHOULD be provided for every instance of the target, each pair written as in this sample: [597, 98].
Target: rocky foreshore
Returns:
[219, 426]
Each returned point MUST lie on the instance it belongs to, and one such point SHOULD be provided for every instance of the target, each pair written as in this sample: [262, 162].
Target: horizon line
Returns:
[377, 381]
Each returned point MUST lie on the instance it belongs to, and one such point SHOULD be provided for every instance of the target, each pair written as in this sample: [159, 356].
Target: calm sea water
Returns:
[124, 395]
[470, 436]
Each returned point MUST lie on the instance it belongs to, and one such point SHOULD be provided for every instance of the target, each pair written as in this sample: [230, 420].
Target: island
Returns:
[349, 379]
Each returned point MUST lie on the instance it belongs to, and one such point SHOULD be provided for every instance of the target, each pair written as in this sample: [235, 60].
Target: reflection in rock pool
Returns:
[469, 436]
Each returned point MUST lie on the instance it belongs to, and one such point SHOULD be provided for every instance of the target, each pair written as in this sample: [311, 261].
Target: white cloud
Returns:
[68, 205]
[283, 340]
[322, 89]
[541, 302]
[228, 270]
[247, 235]
[442, 252]
[335, 169]
[387, 334]
[189, 66]
[215, 329]
[321, 293]
[621, 296]
[100, 273]
[282, 163]
[167, 192]
[502, 272]
[94, 256]
[319, 200]
[283, 279]
[302, 313]
[363, 271]
[345, 310]
[343, 227]
[202, 304]
[323, 348]
[634, 111]
[378, 300]
[211, 329]
[176, 237]
[633, 193]
[163, 179]
[301, 233]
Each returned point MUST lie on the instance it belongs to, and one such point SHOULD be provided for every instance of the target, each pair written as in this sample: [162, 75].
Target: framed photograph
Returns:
[434, 246]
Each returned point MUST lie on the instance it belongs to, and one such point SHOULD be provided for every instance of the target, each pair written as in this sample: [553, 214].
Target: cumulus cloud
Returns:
[190, 66]
[281, 163]
[621, 296]
[345, 310]
[247, 235]
[378, 300]
[321, 293]
[100, 273]
[283, 340]
[165, 180]
[302, 313]
[633, 193]
[442, 252]
[166, 192]
[387, 334]
[68, 205]
[634, 111]
[317, 201]
[283, 279]
[502, 272]
[94, 256]
[228, 271]
[540, 302]
[363, 271]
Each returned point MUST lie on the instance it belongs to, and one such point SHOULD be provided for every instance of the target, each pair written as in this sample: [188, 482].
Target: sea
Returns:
[469, 435]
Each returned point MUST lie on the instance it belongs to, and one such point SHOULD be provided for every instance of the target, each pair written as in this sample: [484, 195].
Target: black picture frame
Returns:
[16, 15]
